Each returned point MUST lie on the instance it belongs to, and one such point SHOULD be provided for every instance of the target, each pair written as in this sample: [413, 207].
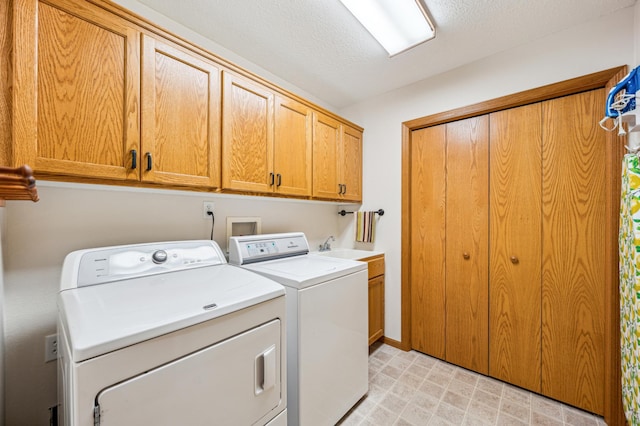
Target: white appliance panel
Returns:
[332, 361]
[241, 372]
[306, 270]
[106, 317]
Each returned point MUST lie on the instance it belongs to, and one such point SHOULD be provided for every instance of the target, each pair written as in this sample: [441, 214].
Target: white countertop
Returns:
[345, 253]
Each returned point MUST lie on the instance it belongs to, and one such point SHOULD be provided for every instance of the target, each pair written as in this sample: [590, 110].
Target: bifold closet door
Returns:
[515, 241]
[467, 250]
[574, 259]
[428, 199]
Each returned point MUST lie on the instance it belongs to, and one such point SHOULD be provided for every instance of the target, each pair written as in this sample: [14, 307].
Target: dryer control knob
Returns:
[159, 256]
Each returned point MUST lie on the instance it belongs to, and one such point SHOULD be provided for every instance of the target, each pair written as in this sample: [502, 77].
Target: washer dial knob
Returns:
[159, 256]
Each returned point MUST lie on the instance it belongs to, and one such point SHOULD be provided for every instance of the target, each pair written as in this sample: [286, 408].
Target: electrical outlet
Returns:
[50, 347]
[207, 206]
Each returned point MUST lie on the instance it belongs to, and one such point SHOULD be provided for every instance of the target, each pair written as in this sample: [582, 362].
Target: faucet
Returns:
[326, 246]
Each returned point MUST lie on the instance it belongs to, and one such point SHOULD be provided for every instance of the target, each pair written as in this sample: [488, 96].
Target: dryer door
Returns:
[236, 381]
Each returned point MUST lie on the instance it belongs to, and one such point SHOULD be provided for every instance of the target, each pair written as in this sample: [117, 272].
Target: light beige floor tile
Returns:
[516, 410]
[394, 403]
[413, 389]
[458, 401]
[416, 415]
[450, 413]
[381, 416]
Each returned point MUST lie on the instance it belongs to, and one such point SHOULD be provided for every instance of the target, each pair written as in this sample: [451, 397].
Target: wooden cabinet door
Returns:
[326, 142]
[247, 135]
[376, 308]
[76, 90]
[515, 240]
[350, 166]
[427, 221]
[180, 117]
[292, 147]
[573, 264]
[467, 245]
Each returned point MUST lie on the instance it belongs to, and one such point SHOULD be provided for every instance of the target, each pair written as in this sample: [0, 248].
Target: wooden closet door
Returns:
[515, 232]
[428, 163]
[574, 223]
[467, 251]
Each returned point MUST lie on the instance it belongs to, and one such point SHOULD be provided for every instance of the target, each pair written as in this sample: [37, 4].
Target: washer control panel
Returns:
[98, 266]
[257, 248]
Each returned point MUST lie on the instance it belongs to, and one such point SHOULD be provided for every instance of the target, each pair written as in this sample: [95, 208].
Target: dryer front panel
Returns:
[236, 381]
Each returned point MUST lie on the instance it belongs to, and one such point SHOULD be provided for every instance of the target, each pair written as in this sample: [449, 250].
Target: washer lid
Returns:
[306, 270]
[102, 318]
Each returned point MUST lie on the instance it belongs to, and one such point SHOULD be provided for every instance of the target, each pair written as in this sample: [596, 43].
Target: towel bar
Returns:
[344, 212]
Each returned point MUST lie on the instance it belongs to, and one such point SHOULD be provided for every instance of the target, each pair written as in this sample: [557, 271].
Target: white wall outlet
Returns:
[207, 206]
[50, 347]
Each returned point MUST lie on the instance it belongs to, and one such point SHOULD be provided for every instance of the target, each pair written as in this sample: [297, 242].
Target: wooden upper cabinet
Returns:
[180, 116]
[247, 135]
[76, 89]
[326, 140]
[104, 95]
[337, 159]
[292, 147]
[351, 163]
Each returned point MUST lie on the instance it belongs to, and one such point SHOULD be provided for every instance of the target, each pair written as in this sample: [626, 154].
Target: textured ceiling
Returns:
[318, 45]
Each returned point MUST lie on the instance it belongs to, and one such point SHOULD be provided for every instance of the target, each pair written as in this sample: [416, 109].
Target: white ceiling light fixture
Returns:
[398, 25]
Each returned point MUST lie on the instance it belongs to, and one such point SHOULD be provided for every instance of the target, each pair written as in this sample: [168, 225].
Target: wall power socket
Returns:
[50, 348]
[207, 206]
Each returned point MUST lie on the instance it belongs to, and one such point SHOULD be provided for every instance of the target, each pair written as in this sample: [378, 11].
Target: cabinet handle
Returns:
[466, 256]
[344, 190]
[134, 159]
[149, 162]
[279, 179]
[271, 179]
[514, 260]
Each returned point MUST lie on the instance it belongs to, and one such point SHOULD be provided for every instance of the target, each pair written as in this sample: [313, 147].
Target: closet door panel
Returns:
[428, 163]
[467, 251]
[574, 223]
[515, 241]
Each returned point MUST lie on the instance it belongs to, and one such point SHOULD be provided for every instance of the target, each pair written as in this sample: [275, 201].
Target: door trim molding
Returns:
[601, 79]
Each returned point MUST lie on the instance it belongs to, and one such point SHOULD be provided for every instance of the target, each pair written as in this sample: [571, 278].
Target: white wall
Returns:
[598, 45]
[2, 351]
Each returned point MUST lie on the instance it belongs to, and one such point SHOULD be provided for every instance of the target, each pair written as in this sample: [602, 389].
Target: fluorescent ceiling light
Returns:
[397, 25]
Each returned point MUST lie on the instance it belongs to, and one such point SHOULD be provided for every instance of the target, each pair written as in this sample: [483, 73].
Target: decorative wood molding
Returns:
[18, 184]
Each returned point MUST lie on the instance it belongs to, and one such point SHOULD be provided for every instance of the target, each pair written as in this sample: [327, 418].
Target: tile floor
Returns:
[410, 388]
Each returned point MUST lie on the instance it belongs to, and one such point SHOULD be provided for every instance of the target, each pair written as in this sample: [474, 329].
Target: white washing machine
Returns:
[327, 323]
[169, 334]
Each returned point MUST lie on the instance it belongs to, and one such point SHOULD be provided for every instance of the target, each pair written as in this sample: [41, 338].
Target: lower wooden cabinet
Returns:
[376, 297]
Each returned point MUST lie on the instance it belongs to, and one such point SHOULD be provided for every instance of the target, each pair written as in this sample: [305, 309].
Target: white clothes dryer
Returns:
[169, 334]
[327, 323]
